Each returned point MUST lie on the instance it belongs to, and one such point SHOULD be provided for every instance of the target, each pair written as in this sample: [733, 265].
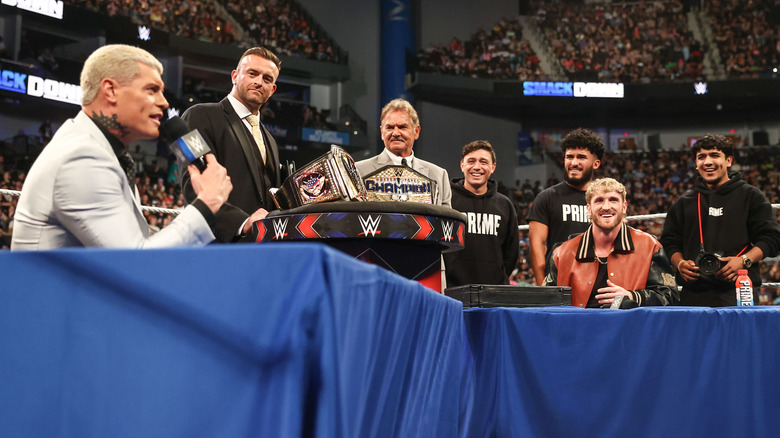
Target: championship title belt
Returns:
[331, 177]
[400, 184]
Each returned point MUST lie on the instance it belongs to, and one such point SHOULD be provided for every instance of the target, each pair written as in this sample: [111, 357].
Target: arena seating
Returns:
[636, 42]
[500, 53]
[746, 34]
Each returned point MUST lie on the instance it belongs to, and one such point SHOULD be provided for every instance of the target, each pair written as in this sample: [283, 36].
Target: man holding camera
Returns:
[721, 226]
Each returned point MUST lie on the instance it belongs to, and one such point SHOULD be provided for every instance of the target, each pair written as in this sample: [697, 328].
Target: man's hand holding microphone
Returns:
[212, 185]
[210, 180]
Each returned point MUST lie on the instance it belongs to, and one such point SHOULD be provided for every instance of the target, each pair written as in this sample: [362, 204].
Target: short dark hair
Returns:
[263, 53]
[582, 138]
[712, 141]
[476, 145]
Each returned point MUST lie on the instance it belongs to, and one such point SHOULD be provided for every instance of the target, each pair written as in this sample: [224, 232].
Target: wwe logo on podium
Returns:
[446, 228]
[280, 226]
[700, 87]
[370, 225]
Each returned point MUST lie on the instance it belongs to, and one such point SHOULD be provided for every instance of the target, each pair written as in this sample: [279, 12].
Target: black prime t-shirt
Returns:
[562, 209]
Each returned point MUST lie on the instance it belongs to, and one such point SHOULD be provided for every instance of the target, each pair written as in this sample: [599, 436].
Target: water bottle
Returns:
[744, 288]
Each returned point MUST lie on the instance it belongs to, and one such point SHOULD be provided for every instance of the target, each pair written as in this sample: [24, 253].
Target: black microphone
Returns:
[186, 143]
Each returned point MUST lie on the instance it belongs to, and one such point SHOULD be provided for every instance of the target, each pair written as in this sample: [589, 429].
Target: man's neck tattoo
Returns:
[110, 123]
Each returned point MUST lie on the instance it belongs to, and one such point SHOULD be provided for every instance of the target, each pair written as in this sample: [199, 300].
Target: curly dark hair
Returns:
[582, 138]
[712, 141]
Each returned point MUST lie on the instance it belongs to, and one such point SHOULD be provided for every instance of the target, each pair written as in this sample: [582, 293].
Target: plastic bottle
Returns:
[744, 288]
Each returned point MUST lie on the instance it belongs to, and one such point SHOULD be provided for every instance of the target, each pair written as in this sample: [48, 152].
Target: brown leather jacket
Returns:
[637, 264]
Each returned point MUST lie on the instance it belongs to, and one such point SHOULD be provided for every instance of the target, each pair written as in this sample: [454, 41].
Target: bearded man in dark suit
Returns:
[242, 144]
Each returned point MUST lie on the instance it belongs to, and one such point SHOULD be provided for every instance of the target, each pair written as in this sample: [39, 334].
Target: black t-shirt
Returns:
[601, 281]
[562, 209]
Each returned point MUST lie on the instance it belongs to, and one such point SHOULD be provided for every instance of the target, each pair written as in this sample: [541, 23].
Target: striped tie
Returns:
[254, 121]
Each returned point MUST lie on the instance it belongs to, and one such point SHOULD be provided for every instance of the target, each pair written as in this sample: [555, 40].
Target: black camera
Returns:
[708, 263]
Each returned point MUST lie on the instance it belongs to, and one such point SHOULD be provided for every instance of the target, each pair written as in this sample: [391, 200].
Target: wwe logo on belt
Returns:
[370, 225]
[446, 228]
[280, 226]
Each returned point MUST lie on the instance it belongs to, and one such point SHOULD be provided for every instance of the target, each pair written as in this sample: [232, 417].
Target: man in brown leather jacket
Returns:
[612, 261]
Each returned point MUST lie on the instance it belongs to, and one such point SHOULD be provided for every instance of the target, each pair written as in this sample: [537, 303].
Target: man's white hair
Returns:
[400, 105]
[115, 61]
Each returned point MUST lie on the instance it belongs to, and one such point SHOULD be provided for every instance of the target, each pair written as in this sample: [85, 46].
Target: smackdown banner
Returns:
[35, 86]
[49, 8]
[574, 89]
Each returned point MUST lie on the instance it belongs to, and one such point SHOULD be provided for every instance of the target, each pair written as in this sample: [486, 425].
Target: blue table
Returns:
[647, 372]
[275, 340]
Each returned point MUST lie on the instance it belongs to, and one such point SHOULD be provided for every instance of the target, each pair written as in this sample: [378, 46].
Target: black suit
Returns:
[236, 150]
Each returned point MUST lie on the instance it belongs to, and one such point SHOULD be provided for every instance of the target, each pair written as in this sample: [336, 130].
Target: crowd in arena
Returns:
[277, 24]
[636, 42]
[500, 53]
[619, 41]
[748, 39]
[197, 19]
[282, 26]
[627, 42]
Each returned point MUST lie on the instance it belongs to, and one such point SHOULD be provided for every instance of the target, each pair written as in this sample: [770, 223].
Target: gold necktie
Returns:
[254, 121]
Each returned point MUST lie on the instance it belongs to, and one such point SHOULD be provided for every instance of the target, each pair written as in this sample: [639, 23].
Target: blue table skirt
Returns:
[225, 341]
[647, 372]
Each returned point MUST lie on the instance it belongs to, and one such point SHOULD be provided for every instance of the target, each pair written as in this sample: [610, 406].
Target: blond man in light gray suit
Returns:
[400, 127]
[78, 194]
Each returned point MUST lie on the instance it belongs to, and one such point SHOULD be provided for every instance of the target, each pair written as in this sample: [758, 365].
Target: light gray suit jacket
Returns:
[76, 194]
[430, 170]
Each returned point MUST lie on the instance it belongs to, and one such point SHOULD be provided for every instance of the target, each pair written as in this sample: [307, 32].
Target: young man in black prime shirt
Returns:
[559, 211]
[491, 238]
[722, 216]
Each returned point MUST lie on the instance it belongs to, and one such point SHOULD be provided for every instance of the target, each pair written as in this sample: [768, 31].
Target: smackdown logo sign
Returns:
[50, 8]
[32, 85]
[574, 89]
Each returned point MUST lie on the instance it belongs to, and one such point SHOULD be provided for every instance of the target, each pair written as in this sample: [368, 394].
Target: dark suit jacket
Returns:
[235, 149]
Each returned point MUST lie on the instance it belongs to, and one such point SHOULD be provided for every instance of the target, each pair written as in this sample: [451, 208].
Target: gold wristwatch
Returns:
[746, 262]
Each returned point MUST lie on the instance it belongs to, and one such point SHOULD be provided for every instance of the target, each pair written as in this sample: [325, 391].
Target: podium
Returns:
[403, 237]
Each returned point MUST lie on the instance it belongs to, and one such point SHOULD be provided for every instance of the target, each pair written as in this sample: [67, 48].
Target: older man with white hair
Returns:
[400, 127]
